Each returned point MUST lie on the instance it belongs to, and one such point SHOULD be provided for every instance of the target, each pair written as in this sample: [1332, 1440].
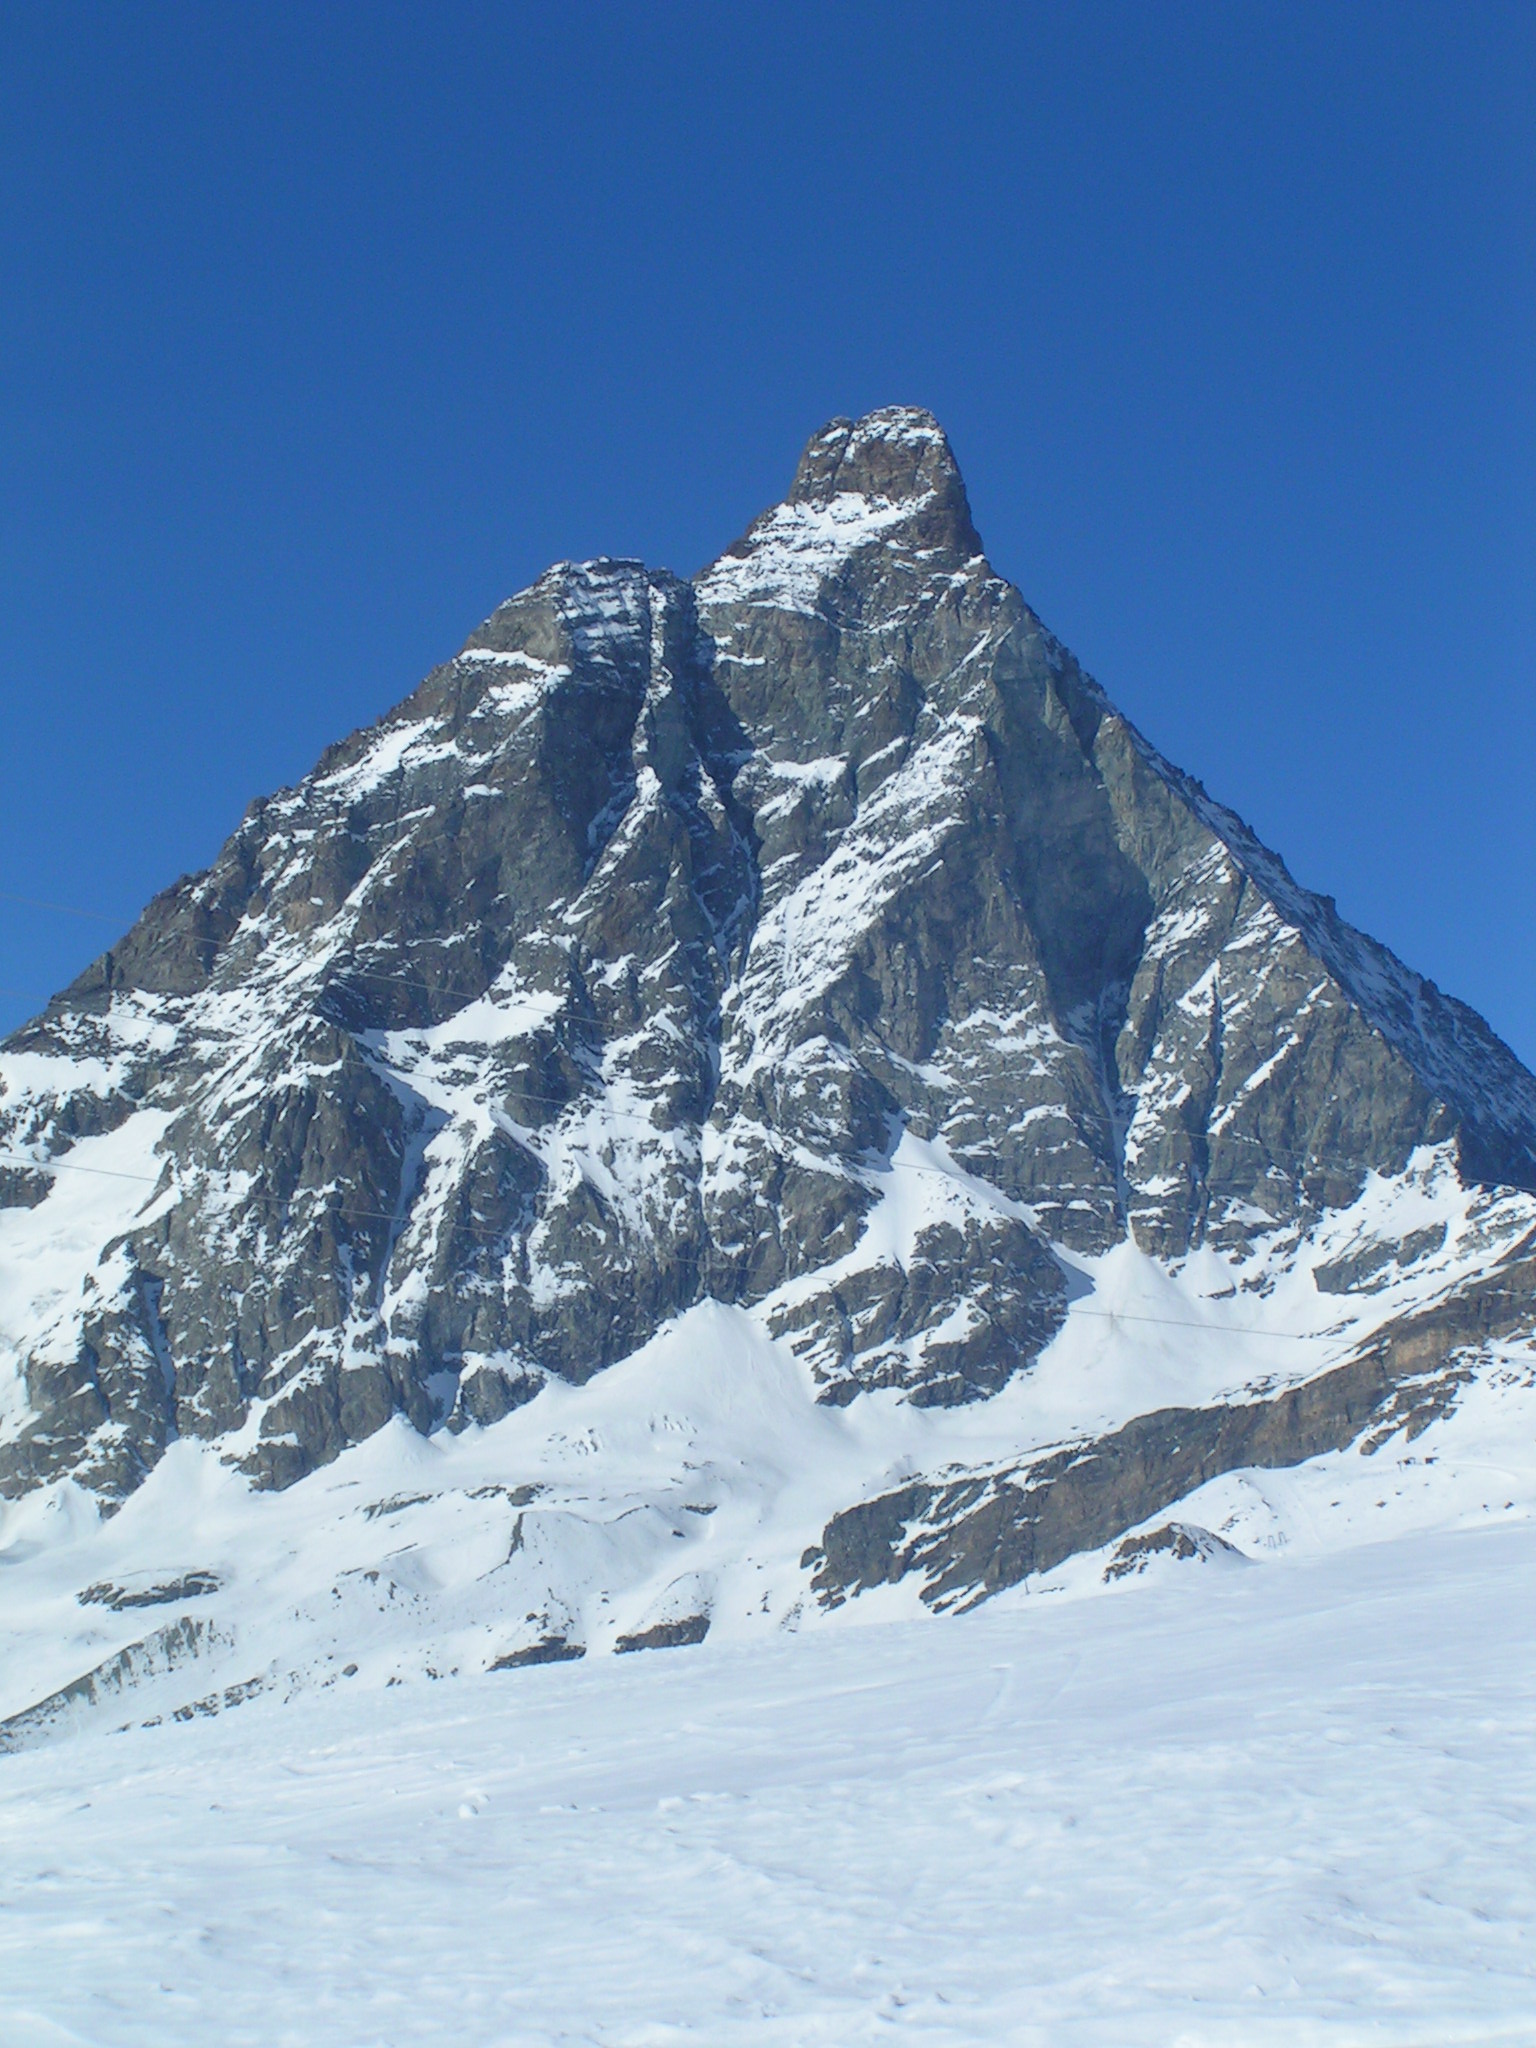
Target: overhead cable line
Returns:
[1120, 1315]
[75, 1166]
[396, 1217]
[63, 909]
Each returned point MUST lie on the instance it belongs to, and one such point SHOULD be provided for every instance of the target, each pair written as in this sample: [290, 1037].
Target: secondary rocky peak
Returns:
[576, 608]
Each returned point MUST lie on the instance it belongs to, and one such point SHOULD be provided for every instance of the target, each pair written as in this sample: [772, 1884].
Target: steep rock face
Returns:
[815, 938]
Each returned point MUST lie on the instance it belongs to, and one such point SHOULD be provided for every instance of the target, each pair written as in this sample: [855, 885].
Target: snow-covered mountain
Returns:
[740, 1104]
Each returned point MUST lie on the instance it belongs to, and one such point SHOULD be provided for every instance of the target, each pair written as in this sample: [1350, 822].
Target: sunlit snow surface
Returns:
[1282, 1794]
[1282, 1805]
[1285, 1795]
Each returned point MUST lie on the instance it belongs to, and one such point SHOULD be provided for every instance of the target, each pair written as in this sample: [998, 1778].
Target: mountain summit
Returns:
[899, 456]
[807, 966]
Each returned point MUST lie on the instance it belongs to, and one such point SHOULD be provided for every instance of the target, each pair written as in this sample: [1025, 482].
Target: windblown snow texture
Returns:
[808, 964]
[1239, 1808]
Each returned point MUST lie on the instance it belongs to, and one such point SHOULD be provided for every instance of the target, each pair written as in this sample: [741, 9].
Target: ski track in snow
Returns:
[1226, 1810]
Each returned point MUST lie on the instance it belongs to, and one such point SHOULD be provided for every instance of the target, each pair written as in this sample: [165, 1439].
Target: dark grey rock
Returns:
[1359, 1268]
[221, 1701]
[666, 1635]
[548, 1650]
[188, 1586]
[1185, 1541]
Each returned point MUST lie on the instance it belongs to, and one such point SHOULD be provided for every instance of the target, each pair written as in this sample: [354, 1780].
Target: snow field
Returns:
[1226, 1809]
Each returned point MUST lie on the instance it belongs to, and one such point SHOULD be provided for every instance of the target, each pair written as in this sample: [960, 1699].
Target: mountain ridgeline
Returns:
[815, 939]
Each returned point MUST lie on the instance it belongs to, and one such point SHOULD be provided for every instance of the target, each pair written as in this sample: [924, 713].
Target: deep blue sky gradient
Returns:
[322, 329]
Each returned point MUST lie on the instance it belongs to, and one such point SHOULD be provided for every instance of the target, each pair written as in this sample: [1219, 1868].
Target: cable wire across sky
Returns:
[402, 1218]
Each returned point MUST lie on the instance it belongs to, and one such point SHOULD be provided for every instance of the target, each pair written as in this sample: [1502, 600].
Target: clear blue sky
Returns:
[324, 328]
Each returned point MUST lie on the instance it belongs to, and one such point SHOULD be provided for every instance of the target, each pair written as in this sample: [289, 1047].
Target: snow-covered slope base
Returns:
[699, 1488]
[1280, 1807]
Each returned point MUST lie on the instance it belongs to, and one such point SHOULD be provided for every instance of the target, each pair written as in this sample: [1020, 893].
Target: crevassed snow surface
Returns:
[1228, 1808]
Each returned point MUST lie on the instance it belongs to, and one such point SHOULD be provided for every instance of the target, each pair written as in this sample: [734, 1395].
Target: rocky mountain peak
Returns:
[812, 948]
[899, 454]
[888, 482]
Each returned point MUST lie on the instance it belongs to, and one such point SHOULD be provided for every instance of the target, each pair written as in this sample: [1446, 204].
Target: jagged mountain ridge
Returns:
[814, 939]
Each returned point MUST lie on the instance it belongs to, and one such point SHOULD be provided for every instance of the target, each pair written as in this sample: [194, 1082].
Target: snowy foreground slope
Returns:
[696, 1489]
[1229, 1807]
